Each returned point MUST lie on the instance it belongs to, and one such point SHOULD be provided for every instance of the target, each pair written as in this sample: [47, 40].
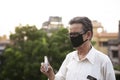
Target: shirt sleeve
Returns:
[61, 74]
[108, 72]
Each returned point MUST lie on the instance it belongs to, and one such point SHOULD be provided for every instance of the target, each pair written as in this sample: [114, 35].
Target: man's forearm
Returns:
[51, 77]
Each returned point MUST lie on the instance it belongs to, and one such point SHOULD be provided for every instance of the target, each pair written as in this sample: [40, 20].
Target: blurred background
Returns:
[32, 29]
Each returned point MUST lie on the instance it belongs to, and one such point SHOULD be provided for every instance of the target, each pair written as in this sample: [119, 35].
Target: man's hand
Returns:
[50, 73]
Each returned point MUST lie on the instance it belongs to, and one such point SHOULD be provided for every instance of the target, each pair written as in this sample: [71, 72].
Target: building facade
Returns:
[101, 37]
[3, 42]
[114, 49]
[53, 23]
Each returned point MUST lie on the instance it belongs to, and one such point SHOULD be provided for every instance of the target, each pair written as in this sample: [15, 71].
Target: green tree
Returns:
[59, 45]
[23, 57]
[29, 46]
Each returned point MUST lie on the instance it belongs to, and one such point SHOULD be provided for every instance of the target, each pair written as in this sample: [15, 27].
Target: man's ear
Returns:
[89, 35]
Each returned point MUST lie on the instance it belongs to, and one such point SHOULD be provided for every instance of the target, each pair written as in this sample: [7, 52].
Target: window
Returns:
[104, 43]
[115, 54]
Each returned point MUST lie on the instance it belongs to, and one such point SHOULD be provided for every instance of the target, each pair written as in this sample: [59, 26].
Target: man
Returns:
[86, 63]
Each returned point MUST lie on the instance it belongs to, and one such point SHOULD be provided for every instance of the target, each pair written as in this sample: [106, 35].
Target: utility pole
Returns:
[119, 41]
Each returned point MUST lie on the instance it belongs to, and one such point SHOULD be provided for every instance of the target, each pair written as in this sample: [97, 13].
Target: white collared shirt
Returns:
[95, 64]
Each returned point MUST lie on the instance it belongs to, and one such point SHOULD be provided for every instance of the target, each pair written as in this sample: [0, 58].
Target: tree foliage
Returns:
[28, 47]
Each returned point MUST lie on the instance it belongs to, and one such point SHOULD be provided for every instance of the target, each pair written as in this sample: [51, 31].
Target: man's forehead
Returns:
[77, 27]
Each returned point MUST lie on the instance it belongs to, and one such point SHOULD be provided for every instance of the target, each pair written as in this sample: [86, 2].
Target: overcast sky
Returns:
[35, 12]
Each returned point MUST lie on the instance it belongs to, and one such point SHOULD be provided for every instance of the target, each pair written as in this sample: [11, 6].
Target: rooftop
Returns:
[104, 34]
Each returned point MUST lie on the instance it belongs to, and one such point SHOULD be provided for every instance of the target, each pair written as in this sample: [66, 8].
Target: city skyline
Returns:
[35, 12]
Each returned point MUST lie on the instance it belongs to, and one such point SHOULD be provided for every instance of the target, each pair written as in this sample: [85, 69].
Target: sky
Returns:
[35, 12]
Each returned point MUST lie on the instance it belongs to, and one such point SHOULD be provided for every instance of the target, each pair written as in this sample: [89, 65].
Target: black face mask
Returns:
[77, 40]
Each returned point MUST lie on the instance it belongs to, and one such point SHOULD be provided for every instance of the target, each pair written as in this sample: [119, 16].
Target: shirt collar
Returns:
[75, 56]
[90, 56]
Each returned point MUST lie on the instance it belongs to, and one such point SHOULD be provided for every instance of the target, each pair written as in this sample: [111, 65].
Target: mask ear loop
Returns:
[85, 40]
[85, 33]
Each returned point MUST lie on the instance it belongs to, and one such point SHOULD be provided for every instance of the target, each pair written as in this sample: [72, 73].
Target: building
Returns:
[53, 23]
[3, 43]
[114, 49]
[101, 37]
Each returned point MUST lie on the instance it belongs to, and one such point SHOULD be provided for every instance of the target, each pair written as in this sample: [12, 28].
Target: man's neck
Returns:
[83, 50]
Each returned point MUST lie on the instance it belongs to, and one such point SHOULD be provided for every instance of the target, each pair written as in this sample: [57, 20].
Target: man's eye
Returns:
[74, 33]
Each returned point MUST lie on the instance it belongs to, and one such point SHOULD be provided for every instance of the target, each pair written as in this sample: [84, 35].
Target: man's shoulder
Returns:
[72, 54]
[101, 56]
